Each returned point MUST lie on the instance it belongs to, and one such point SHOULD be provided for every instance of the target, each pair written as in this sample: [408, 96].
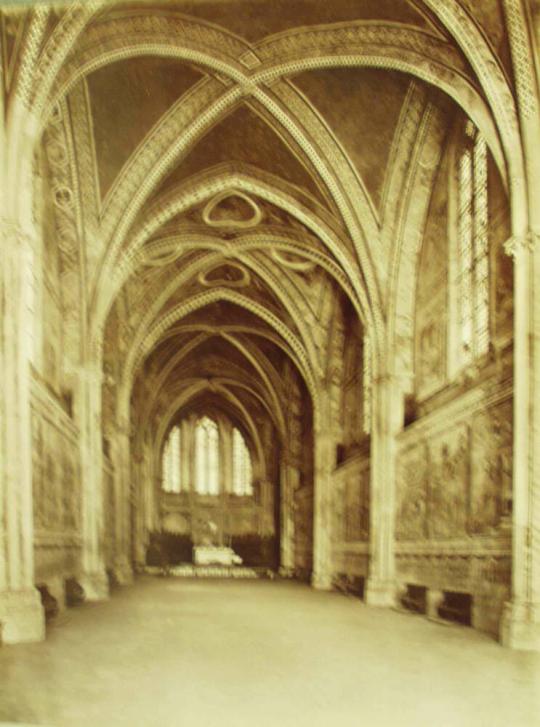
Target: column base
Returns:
[123, 572]
[520, 626]
[22, 618]
[380, 593]
[434, 599]
[286, 571]
[57, 590]
[95, 586]
[322, 581]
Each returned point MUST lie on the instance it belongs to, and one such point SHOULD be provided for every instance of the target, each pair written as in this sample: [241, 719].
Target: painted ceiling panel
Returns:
[128, 98]
[361, 107]
[244, 137]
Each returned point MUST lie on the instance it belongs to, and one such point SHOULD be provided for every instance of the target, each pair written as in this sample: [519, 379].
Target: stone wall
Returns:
[453, 504]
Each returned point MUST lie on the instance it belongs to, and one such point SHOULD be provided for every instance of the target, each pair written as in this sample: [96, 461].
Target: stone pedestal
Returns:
[380, 593]
[520, 626]
[95, 586]
[21, 617]
[322, 581]
[57, 589]
[123, 572]
[433, 600]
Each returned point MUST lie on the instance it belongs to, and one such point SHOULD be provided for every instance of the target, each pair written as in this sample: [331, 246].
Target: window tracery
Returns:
[207, 457]
[242, 470]
[171, 462]
[472, 279]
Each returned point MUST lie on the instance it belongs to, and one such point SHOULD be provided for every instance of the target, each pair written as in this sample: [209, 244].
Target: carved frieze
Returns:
[412, 479]
[55, 477]
[448, 483]
[491, 468]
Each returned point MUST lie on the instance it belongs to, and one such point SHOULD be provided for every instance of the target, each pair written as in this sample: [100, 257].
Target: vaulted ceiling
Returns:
[245, 167]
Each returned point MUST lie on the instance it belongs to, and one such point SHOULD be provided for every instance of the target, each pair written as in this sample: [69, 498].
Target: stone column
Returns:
[88, 412]
[322, 509]
[21, 613]
[123, 570]
[520, 624]
[387, 421]
[289, 481]
[138, 476]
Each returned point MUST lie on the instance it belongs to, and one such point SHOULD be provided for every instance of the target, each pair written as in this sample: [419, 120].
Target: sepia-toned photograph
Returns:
[270, 363]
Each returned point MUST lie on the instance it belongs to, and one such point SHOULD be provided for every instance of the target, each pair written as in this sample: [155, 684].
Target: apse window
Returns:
[207, 457]
[242, 472]
[171, 476]
[472, 267]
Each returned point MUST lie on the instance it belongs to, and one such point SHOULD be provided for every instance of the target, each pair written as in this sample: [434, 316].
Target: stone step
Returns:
[188, 570]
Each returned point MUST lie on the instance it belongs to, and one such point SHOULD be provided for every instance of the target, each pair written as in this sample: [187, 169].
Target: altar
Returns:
[215, 555]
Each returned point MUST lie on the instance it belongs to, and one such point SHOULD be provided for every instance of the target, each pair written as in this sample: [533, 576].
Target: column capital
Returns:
[527, 242]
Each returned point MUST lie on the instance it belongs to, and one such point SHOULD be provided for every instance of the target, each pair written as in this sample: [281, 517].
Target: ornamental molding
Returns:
[357, 33]
[492, 79]
[224, 53]
[407, 228]
[522, 57]
[458, 410]
[390, 45]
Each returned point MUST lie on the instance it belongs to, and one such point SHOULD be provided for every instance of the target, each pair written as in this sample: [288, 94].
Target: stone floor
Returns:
[193, 653]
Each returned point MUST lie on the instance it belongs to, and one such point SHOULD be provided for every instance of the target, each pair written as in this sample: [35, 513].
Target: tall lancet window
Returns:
[472, 259]
[171, 462]
[242, 473]
[367, 374]
[207, 457]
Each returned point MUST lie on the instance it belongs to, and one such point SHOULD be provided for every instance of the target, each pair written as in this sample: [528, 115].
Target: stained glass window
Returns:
[242, 473]
[207, 457]
[473, 264]
[171, 462]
